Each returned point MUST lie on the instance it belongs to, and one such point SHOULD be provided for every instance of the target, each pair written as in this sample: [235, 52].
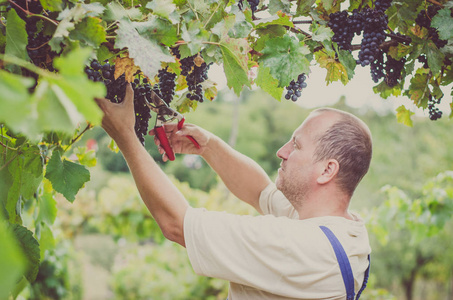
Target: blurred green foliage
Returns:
[149, 267]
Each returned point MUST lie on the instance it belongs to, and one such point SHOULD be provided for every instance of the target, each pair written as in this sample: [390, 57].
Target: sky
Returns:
[358, 92]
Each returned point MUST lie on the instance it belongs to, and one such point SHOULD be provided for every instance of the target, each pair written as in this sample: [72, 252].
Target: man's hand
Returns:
[119, 119]
[179, 141]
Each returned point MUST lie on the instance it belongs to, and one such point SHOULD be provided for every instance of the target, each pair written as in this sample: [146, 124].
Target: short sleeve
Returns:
[273, 202]
[233, 247]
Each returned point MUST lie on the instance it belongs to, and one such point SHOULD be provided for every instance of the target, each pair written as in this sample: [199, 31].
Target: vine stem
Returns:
[10, 161]
[29, 14]
[29, 66]
[19, 7]
[399, 38]
[44, 18]
[8, 147]
[303, 22]
[435, 2]
[14, 157]
[194, 11]
[210, 17]
[88, 127]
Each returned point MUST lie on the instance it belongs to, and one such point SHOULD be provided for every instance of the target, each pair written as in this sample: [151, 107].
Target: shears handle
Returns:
[162, 136]
[194, 142]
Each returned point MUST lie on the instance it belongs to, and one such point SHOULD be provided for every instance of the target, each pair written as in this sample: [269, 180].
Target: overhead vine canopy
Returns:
[56, 56]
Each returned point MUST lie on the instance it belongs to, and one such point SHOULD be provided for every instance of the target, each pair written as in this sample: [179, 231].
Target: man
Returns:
[282, 254]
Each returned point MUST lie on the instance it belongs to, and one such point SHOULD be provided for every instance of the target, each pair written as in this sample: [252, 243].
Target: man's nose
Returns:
[282, 153]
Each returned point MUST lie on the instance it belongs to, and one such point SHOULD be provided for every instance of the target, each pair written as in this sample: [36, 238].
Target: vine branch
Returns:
[303, 22]
[88, 127]
[27, 65]
[435, 2]
[8, 147]
[10, 161]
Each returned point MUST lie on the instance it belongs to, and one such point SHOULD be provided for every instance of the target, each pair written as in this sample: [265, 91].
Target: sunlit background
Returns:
[109, 247]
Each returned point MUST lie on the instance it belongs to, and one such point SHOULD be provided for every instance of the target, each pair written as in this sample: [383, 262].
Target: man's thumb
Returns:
[129, 96]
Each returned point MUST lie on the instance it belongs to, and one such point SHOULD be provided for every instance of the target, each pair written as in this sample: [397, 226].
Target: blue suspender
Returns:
[345, 266]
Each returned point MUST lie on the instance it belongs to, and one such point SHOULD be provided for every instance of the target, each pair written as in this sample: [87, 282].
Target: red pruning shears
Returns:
[166, 114]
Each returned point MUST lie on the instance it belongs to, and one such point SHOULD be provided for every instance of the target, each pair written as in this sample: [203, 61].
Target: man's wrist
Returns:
[125, 139]
[212, 146]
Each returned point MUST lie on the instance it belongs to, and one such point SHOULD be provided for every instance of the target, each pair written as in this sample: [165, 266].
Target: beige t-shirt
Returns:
[274, 256]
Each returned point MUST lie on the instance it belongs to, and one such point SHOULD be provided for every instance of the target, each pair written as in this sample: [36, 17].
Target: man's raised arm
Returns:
[242, 175]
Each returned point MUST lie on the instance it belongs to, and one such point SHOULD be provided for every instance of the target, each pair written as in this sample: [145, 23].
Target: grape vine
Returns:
[56, 56]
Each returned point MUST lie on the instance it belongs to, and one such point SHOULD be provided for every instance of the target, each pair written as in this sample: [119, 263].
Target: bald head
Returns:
[342, 136]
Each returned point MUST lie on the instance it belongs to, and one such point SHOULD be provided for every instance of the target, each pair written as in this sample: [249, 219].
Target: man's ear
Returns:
[331, 168]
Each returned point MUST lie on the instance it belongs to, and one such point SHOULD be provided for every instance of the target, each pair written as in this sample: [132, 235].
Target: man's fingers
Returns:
[129, 97]
[101, 102]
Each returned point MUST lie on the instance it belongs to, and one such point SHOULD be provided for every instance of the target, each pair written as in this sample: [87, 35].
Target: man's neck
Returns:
[324, 205]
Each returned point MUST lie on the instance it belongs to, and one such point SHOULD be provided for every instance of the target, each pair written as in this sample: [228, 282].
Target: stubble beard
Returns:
[295, 193]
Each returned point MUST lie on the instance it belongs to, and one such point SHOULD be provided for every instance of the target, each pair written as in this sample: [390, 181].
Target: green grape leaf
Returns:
[222, 28]
[403, 116]
[52, 5]
[103, 53]
[335, 70]
[283, 20]
[385, 91]
[436, 92]
[66, 177]
[285, 57]
[90, 32]
[194, 35]
[46, 240]
[268, 83]
[86, 157]
[399, 51]
[68, 17]
[304, 6]
[235, 63]
[328, 4]
[47, 205]
[434, 56]
[15, 102]
[279, 5]
[11, 185]
[30, 248]
[164, 9]
[94, 9]
[16, 39]
[321, 33]
[241, 28]
[419, 90]
[210, 89]
[55, 111]
[443, 22]
[348, 61]
[6, 181]
[2, 41]
[73, 85]
[26, 172]
[401, 15]
[158, 30]
[12, 261]
[186, 105]
[115, 12]
[32, 171]
[146, 53]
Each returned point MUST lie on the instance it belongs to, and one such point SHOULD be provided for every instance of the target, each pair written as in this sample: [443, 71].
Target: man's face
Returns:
[298, 174]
